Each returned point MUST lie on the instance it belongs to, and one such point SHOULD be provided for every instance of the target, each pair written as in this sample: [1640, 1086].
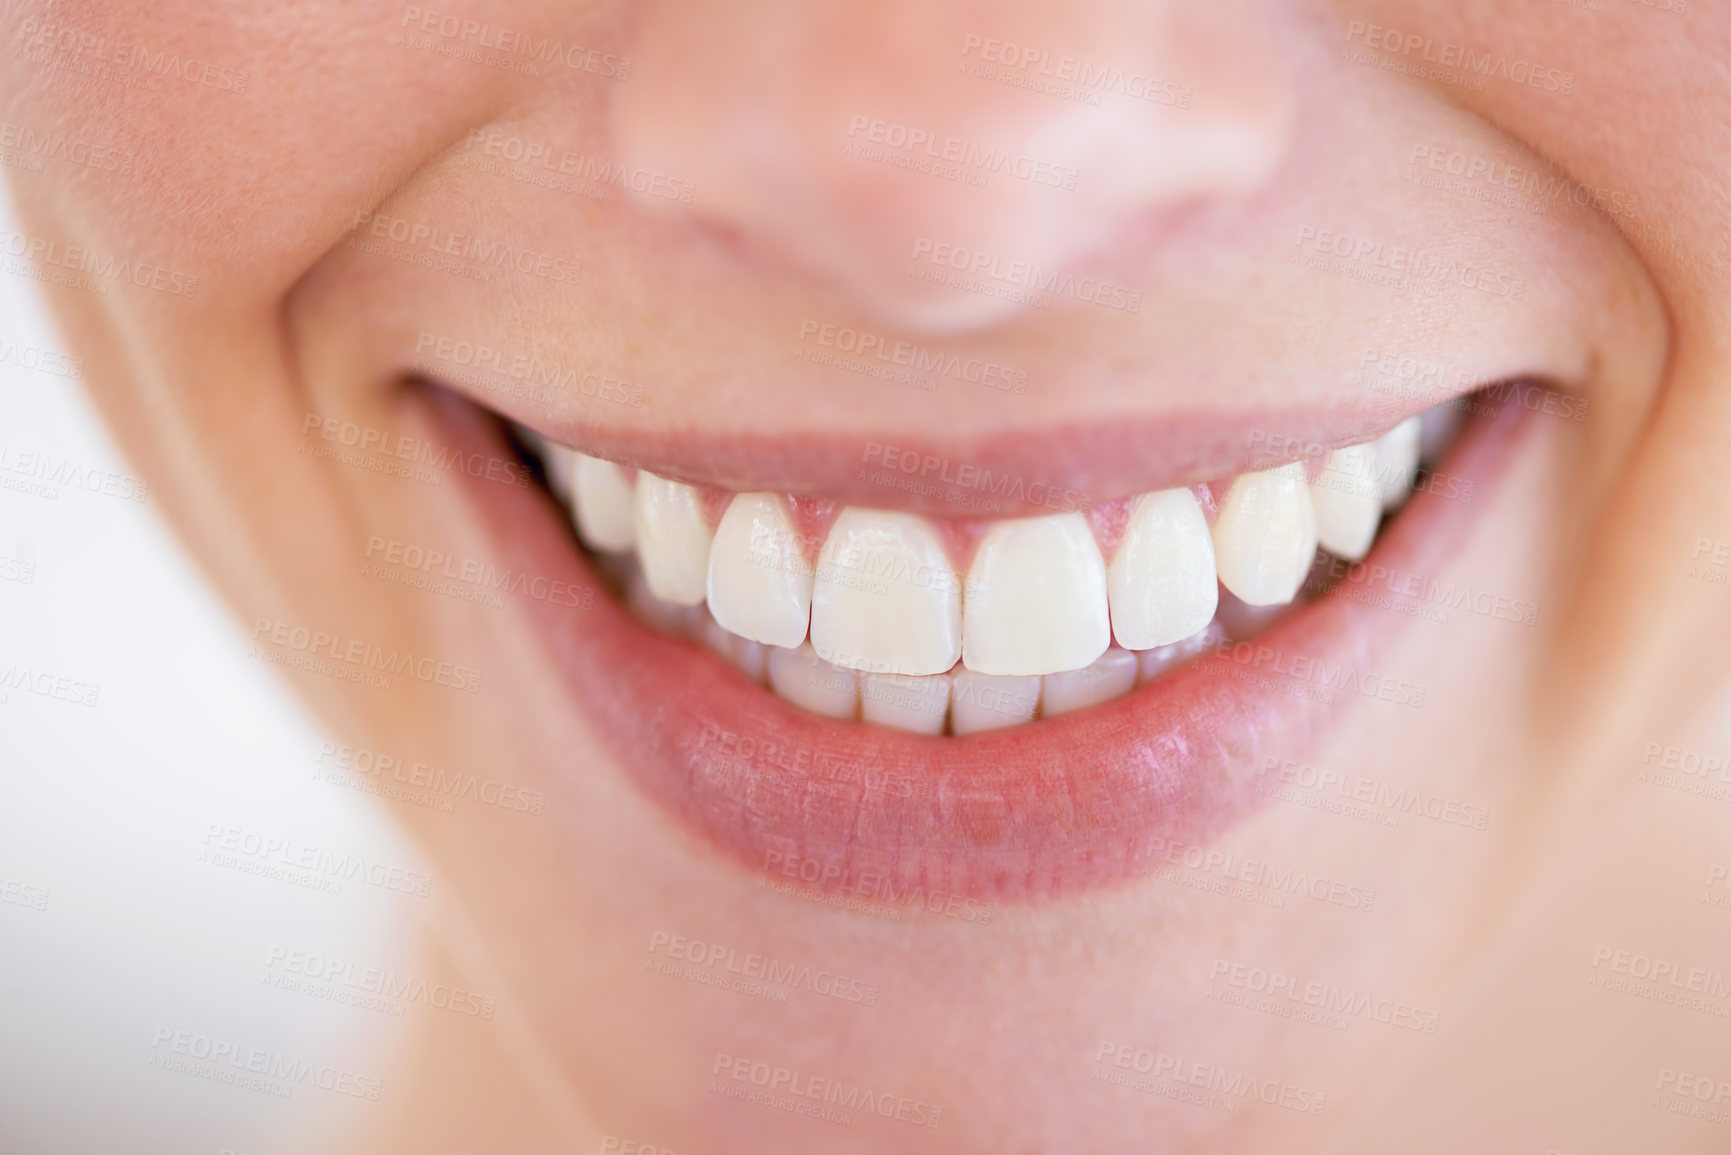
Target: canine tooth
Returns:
[885, 597]
[601, 494]
[807, 680]
[1036, 598]
[904, 702]
[991, 701]
[672, 540]
[1348, 501]
[1265, 536]
[1397, 462]
[743, 654]
[1161, 583]
[1150, 664]
[560, 463]
[759, 584]
[1112, 674]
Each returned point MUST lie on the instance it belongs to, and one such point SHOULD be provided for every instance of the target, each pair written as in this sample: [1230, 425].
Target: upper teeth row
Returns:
[1039, 596]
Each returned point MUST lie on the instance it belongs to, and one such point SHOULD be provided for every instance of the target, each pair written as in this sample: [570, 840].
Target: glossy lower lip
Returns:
[1026, 814]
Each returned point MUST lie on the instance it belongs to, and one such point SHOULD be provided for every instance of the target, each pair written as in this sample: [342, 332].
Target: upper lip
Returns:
[1008, 473]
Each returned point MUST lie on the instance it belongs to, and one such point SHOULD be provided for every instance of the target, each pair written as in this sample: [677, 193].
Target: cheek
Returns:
[247, 158]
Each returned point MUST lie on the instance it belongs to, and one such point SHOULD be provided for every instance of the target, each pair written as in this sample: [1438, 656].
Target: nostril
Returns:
[850, 144]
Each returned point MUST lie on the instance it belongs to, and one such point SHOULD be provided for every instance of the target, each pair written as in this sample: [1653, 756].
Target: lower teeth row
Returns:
[958, 701]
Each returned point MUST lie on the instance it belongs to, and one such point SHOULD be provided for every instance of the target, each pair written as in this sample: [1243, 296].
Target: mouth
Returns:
[863, 699]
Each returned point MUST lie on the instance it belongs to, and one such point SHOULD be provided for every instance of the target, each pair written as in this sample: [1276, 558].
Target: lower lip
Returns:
[1026, 814]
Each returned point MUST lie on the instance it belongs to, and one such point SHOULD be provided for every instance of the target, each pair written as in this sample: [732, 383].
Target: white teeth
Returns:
[672, 540]
[1265, 536]
[905, 703]
[1397, 462]
[886, 598]
[1036, 598]
[1150, 664]
[601, 494]
[991, 701]
[560, 464]
[743, 654]
[1161, 582]
[1114, 673]
[1348, 502]
[759, 584]
[897, 639]
[807, 680]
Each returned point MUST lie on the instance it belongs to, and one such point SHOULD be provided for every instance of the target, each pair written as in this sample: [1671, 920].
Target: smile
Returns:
[868, 698]
[959, 626]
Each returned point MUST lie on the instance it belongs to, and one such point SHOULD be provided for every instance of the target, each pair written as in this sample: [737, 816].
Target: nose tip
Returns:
[946, 166]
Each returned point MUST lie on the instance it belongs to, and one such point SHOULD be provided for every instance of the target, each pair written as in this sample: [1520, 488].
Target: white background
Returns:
[109, 809]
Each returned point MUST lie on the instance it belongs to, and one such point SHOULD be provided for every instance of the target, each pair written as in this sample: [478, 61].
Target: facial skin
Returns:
[1295, 127]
